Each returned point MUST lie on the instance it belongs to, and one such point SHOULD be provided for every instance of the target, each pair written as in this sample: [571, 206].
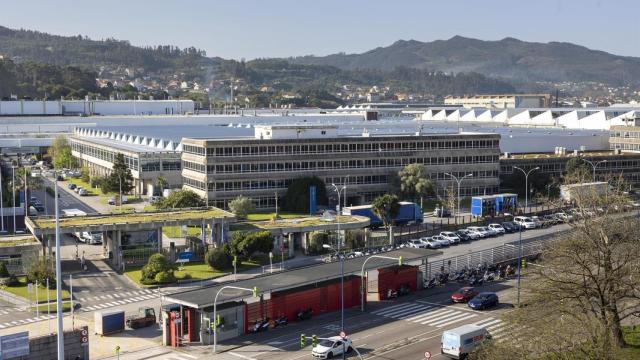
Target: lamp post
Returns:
[254, 291]
[362, 274]
[13, 183]
[594, 166]
[120, 188]
[327, 246]
[458, 181]
[58, 277]
[526, 184]
[1, 201]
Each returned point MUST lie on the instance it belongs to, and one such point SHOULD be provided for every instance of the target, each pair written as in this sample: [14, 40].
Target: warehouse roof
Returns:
[202, 298]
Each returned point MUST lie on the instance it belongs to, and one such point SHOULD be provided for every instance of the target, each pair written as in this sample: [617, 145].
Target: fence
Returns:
[500, 254]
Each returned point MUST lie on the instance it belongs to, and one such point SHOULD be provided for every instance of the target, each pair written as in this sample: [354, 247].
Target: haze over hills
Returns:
[508, 58]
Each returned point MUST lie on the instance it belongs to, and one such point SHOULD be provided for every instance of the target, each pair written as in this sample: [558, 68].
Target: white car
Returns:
[481, 230]
[473, 232]
[489, 231]
[441, 240]
[331, 347]
[451, 236]
[525, 222]
[497, 228]
[430, 243]
[417, 244]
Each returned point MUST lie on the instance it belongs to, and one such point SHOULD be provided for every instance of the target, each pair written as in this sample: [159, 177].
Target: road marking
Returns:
[436, 317]
[275, 343]
[454, 319]
[488, 321]
[430, 314]
[392, 309]
[240, 356]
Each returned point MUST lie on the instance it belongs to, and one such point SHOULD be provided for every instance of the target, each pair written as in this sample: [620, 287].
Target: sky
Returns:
[281, 28]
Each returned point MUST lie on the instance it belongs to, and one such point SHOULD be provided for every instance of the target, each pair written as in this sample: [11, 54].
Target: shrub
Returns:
[218, 258]
[40, 271]
[11, 280]
[186, 276]
[165, 277]
[157, 263]
[316, 239]
[3, 269]
[241, 206]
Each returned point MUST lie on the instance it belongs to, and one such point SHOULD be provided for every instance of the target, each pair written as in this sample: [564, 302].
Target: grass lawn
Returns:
[175, 231]
[122, 210]
[66, 306]
[197, 271]
[267, 216]
[22, 291]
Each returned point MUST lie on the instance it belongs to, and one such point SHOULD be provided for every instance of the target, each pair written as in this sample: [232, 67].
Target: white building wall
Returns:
[96, 107]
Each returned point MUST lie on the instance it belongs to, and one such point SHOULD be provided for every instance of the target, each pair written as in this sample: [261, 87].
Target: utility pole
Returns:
[58, 278]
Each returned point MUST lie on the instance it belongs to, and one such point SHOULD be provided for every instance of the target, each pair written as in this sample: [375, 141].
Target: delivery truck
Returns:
[109, 322]
[409, 213]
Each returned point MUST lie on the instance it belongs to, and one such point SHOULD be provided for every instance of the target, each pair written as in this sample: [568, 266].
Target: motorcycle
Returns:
[431, 283]
[392, 294]
[304, 314]
[404, 290]
[260, 325]
[476, 281]
[281, 321]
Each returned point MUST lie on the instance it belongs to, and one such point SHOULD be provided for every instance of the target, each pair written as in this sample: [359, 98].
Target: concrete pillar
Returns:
[290, 243]
[160, 239]
[117, 251]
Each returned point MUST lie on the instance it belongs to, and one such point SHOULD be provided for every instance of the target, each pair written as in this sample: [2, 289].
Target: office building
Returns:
[261, 166]
[500, 101]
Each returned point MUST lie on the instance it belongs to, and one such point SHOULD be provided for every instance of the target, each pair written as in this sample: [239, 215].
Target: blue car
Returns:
[484, 300]
[71, 186]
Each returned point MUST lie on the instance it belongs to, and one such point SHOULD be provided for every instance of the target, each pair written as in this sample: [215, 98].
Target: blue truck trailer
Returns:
[492, 205]
[109, 322]
[408, 213]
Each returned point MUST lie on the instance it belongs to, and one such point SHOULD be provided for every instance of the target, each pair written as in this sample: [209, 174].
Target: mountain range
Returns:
[508, 58]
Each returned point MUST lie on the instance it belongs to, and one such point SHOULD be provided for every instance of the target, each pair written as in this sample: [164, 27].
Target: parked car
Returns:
[59, 178]
[417, 244]
[536, 220]
[331, 347]
[464, 235]
[430, 243]
[484, 300]
[111, 201]
[477, 232]
[490, 232]
[497, 228]
[77, 190]
[154, 199]
[451, 236]
[551, 219]
[563, 217]
[71, 186]
[441, 240]
[524, 222]
[83, 192]
[464, 294]
[510, 227]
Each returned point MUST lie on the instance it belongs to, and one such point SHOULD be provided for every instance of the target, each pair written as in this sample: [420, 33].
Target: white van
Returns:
[459, 342]
[92, 237]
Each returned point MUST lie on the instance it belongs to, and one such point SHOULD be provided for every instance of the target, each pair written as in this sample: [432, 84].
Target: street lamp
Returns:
[58, 275]
[13, 182]
[594, 166]
[1, 202]
[526, 184]
[341, 257]
[362, 274]
[458, 181]
[254, 291]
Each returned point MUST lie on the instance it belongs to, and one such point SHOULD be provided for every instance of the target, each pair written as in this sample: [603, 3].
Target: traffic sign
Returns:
[185, 255]
[427, 355]
[84, 337]
[343, 334]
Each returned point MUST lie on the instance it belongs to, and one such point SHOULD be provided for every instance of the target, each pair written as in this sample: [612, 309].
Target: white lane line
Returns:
[392, 308]
[428, 314]
[116, 295]
[488, 322]
[110, 296]
[406, 312]
[427, 310]
[455, 320]
[240, 356]
[2, 326]
[425, 321]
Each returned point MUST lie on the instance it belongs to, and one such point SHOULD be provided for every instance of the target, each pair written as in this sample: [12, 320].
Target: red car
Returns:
[463, 295]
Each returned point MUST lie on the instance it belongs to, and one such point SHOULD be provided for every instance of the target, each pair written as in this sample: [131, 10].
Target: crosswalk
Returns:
[117, 299]
[156, 353]
[9, 324]
[8, 311]
[441, 316]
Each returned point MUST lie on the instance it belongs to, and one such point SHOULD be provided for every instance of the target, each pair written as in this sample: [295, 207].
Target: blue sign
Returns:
[185, 255]
[14, 345]
[313, 202]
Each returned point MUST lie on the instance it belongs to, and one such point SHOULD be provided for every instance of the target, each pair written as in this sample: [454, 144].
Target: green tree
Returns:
[85, 175]
[181, 199]
[316, 240]
[156, 264]
[219, 258]
[297, 196]
[247, 244]
[40, 271]
[161, 182]
[60, 153]
[415, 183]
[3, 270]
[386, 207]
[120, 176]
[241, 206]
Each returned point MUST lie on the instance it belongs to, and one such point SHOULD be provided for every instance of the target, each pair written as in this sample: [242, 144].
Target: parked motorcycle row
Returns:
[395, 293]
[262, 325]
[473, 277]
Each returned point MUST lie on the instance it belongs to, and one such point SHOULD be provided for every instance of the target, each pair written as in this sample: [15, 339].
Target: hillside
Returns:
[82, 51]
[507, 58]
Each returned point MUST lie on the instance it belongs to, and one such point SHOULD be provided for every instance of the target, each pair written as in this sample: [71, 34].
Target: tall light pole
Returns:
[120, 187]
[594, 166]
[58, 276]
[1, 201]
[13, 183]
[341, 257]
[526, 184]
[458, 181]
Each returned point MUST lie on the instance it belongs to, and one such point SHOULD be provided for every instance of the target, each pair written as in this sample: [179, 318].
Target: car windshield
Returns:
[326, 343]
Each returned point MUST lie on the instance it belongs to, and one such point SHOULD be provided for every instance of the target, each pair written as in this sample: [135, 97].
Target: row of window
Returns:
[338, 164]
[102, 154]
[193, 183]
[351, 147]
[284, 183]
[625, 134]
